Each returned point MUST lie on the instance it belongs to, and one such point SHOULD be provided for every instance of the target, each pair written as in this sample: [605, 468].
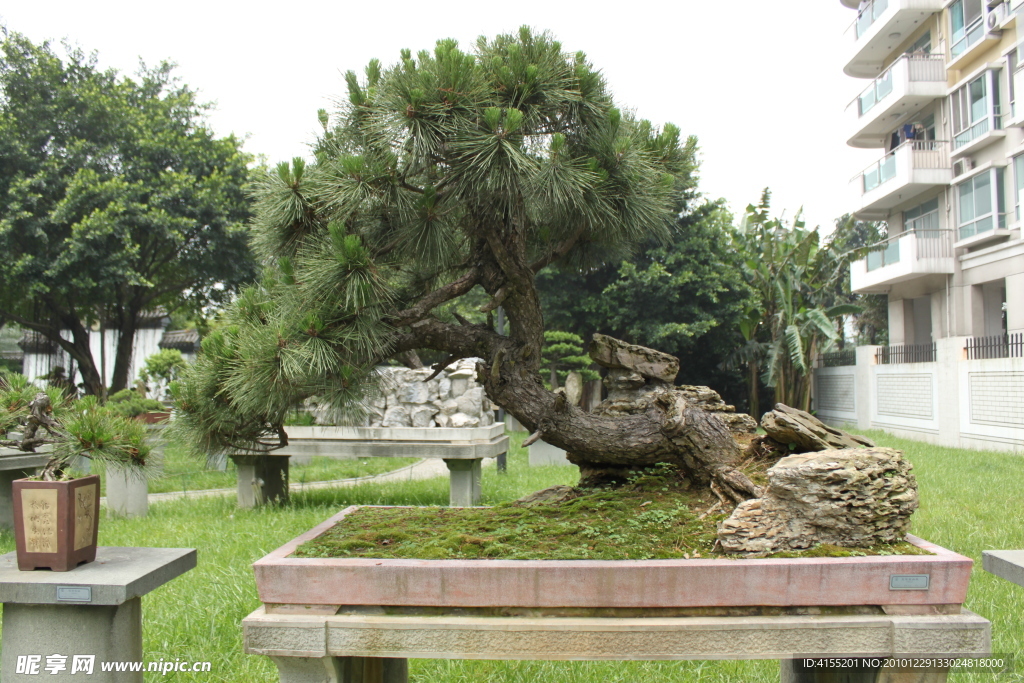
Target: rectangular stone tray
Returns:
[846, 581]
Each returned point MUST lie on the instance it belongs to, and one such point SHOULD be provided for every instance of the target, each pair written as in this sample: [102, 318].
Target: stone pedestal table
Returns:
[94, 611]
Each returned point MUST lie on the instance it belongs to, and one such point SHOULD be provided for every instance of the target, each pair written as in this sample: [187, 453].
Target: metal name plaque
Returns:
[909, 582]
[74, 593]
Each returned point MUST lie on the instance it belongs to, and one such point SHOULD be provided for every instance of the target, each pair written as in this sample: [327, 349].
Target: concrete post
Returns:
[864, 385]
[464, 481]
[1015, 303]
[261, 479]
[897, 324]
[127, 493]
[948, 354]
[113, 633]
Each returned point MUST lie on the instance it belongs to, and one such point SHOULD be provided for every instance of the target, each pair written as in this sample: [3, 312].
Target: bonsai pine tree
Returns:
[563, 353]
[445, 171]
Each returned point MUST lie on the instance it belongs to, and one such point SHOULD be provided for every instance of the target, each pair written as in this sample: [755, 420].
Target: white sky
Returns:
[759, 83]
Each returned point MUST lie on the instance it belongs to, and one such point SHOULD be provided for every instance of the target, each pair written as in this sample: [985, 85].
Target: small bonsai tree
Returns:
[31, 417]
[129, 403]
[162, 368]
[563, 353]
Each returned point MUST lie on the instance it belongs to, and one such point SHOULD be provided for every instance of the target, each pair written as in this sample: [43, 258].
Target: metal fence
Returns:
[998, 346]
[835, 359]
[909, 353]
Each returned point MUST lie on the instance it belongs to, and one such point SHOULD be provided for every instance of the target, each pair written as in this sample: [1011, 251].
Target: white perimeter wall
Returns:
[951, 402]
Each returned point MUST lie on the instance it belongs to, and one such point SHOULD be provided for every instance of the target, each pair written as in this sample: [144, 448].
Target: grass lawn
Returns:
[970, 501]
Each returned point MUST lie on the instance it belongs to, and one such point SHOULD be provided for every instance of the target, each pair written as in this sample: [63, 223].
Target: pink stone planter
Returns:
[697, 583]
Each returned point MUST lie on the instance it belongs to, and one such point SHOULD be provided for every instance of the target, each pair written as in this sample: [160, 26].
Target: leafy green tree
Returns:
[115, 199]
[685, 297]
[446, 171]
[795, 311]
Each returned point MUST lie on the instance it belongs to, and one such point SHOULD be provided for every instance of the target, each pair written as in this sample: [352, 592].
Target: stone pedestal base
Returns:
[464, 482]
[127, 493]
[261, 479]
[342, 669]
[111, 632]
[94, 610]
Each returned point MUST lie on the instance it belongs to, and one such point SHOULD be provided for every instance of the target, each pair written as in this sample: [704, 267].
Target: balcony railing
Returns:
[982, 225]
[998, 346]
[970, 35]
[909, 353]
[868, 15]
[920, 68]
[926, 154]
[837, 359]
[930, 243]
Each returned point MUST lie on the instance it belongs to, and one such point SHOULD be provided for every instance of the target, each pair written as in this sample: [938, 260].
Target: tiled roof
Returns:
[183, 340]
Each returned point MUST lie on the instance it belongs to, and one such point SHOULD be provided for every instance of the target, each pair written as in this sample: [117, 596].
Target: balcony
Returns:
[983, 231]
[892, 98]
[880, 28]
[914, 167]
[903, 257]
[981, 134]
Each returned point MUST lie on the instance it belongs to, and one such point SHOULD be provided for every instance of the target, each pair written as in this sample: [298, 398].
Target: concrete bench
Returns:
[15, 464]
[93, 611]
[367, 645]
[1006, 564]
[263, 478]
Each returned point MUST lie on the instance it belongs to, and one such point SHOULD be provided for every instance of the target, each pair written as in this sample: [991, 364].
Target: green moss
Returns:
[655, 516]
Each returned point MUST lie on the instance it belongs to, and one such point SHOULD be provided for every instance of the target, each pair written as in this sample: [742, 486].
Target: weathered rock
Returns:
[450, 407]
[459, 387]
[486, 419]
[396, 416]
[791, 426]
[574, 388]
[463, 420]
[442, 420]
[623, 384]
[471, 402]
[421, 416]
[846, 497]
[416, 392]
[444, 385]
[613, 353]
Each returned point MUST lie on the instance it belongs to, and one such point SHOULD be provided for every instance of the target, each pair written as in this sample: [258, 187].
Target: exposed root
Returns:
[711, 510]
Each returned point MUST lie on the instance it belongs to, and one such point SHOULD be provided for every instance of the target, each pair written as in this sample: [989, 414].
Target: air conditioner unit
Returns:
[961, 166]
[994, 19]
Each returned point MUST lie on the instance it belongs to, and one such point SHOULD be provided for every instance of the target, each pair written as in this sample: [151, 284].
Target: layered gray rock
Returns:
[807, 433]
[852, 497]
[615, 354]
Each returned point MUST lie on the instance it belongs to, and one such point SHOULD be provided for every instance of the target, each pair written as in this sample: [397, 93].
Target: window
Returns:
[923, 219]
[975, 108]
[1018, 179]
[980, 203]
[967, 21]
[922, 45]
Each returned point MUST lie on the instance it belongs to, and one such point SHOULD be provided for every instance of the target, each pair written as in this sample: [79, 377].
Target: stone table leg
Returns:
[261, 479]
[794, 671]
[342, 670]
[127, 493]
[7, 495]
[464, 481]
[111, 633]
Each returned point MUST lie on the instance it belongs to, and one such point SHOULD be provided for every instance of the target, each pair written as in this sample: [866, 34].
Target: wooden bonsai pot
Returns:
[55, 522]
[908, 584]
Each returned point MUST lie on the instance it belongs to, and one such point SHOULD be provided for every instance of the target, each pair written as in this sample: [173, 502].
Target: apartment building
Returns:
[940, 84]
[939, 104]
